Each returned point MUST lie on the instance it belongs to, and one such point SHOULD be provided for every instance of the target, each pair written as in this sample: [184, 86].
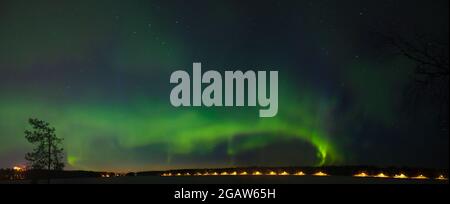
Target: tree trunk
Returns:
[49, 159]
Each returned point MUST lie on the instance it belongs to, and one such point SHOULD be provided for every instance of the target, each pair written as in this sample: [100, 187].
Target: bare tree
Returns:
[431, 74]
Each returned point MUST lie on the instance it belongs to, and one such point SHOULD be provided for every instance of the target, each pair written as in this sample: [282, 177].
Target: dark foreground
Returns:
[235, 180]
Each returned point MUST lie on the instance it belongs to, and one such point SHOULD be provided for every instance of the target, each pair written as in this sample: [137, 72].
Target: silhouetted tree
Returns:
[431, 74]
[47, 153]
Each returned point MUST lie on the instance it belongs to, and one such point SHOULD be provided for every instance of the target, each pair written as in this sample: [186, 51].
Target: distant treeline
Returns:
[11, 174]
[331, 170]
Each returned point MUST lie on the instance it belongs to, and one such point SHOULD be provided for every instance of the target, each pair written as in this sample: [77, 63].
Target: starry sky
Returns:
[99, 72]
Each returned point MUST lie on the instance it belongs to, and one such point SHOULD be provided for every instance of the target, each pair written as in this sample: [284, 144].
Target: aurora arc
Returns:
[183, 132]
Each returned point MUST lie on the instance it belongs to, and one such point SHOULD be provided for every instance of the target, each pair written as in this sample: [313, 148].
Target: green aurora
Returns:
[99, 73]
[183, 131]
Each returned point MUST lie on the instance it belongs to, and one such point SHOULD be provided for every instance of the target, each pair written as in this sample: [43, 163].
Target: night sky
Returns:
[99, 72]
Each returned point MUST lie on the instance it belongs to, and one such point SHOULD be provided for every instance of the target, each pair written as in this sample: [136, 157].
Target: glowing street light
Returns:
[243, 173]
[320, 174]
[257, 173]
[284, 173]
[272, 173]
[381, 175]
[420, 177]
[300, 173]
[400, 176]
[441, 177]
[362, 174]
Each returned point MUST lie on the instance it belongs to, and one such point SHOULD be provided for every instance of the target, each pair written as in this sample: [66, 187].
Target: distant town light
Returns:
[362, 174]
[275, 173]
[381, 175]
[320, 174]
[420, 177]
[441, 177]
[300, 173]
[400, 176]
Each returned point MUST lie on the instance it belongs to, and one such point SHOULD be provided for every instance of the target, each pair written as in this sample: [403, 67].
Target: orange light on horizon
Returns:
[243, 173]
[300, 173]
[274, 173]
[420, 177]
[320, 174]
[17, 168]
[362, 174]
[400, 176]
[381, 175]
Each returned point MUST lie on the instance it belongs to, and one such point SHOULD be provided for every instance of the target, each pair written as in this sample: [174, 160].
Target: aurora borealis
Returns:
[99, 73]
